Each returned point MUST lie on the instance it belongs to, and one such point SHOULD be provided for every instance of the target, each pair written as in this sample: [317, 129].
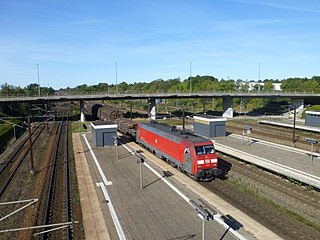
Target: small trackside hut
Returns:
[103, 133]
[313, 118]
[209, 126]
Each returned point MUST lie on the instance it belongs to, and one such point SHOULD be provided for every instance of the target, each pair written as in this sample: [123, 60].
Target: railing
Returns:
[139, 92]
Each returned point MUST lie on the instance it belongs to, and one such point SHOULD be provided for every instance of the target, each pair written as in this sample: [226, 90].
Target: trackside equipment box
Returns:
[312, 118]
[103, 133]
[209, 126]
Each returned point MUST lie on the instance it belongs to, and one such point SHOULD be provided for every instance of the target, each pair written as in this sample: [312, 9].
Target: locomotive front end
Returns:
[206, 165]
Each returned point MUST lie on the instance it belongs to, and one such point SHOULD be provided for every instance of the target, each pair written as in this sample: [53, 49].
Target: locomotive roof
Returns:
[172, 130]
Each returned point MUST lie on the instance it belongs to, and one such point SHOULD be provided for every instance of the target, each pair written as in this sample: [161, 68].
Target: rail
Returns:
[68, 218]
[10, 176]
[52, 179]
[53, 199]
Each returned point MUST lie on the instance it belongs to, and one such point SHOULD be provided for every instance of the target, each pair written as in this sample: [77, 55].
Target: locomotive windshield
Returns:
[204, 149]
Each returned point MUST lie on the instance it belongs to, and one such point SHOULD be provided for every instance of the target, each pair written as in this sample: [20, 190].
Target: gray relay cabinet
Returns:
[209, 126]
[312, 118]
[103, 133]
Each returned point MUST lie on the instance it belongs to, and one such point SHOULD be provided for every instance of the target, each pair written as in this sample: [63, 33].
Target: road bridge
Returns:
[297, 98]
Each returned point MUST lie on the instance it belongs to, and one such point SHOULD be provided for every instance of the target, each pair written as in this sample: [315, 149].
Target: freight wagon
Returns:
[190, 153]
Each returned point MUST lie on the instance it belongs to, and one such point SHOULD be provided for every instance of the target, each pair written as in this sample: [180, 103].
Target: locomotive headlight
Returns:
[200, 161]
[214, 160]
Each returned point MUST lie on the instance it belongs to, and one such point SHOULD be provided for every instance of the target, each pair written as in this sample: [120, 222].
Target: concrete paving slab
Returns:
[93, 220]
[154, 212]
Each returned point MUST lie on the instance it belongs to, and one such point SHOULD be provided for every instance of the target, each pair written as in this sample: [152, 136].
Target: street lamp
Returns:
[38, 79]
[190, 77]
[116, 63]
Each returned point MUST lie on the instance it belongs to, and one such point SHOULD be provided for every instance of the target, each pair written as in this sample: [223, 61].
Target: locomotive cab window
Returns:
[204, 149]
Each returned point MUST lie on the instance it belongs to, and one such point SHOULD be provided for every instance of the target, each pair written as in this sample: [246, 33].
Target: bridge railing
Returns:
[137, 92]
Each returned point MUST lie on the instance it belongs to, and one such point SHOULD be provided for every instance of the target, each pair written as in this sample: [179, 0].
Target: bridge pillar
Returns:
[82, 111]
[152, 108]
[227, 107]
[297, 103]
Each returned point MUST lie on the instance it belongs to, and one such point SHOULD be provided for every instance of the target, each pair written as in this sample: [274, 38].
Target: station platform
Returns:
[155, 212]
[284, 160]
[289, 124]
[161, 210]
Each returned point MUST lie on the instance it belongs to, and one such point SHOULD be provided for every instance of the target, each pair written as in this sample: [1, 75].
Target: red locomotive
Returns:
[191, 154]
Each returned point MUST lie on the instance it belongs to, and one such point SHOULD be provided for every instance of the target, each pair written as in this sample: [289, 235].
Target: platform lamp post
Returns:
[116, 146]
[312, 142]
[116, 63]
[140, 161]
[294, 128]
[190, 77]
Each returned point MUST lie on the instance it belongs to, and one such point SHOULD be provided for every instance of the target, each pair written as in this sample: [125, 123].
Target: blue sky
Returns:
[78, 42]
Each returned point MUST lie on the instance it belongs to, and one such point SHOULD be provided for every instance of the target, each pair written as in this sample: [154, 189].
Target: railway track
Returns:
[280, 135]
[250, 190]
[266, 215]
[58, 205]
[11, 166]
[297, 196]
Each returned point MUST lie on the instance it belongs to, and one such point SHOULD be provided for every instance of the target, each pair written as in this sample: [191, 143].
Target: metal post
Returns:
[30, 148]
[294, 128]
[203, 105]
[190, 78]
[14, 132]
[183, 119]
[117, 153]
[312, 152]
[116, 63]
[203, 228]
[38, 80]
[130, 110]
[116, 147]
[311, 141]
[141, 179]
[46, 108]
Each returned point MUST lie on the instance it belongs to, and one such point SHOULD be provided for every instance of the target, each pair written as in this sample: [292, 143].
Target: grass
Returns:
[77, 127]
[255, 194]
